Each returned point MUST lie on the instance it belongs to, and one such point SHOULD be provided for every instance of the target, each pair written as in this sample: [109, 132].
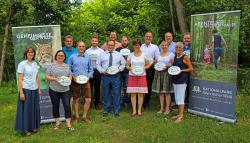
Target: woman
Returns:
[57, 91]
[180, 81]
[137, 84]
[162, 83]
[28, 109]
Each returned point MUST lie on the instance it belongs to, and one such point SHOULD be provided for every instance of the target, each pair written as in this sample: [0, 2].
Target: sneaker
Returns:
[160, 112]
[166, 112]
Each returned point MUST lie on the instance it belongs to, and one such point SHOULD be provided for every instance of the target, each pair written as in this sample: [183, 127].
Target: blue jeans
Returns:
[124, 84]
[111, 82]
[55, 100]
[217, 54]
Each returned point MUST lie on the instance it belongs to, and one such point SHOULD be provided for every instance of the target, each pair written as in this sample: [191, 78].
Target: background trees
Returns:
[132, 18]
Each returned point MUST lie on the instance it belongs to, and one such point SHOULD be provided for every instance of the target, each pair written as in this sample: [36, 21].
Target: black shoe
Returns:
[117, 115]
[104, 114]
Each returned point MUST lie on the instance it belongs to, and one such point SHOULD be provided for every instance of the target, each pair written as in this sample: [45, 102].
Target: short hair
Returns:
[110, 40]
[27, 50]
[214, 30]
[135, 42]
[94, 36]
[59, 52]
[169, 33]
[125, 36]
[164, 42]
[179, 44]
[186, 33]
[149, 32]
[68, 37]
[80, 41]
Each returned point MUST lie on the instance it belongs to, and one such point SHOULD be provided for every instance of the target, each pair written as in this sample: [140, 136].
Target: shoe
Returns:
[175, 117]
[70, 128]
[166, 112]
[178, 120]
[160, 112]
[117, 114]
[27, 133]
[104, 114]
[76, 120]
[56, 126]
[86, 120]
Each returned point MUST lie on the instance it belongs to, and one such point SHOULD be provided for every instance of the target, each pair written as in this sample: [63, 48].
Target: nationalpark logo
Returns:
[196, 89]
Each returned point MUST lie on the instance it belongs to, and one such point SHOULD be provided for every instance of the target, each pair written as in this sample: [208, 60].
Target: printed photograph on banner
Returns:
[43, 40]
[214, 51]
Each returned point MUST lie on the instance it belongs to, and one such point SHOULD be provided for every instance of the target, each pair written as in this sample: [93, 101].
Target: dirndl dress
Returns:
[162, 82]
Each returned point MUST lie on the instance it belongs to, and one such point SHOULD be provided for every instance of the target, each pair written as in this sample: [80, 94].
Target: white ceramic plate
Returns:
[93, 55]
[174, 70]
[113, 70]
[82, 79]
[137, 70]
[125, 52]
[64, 81]
[159, 66]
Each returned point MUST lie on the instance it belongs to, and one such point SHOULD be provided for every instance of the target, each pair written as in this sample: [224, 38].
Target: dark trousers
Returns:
[95, 84]
[124, 83]
[55, 100]
[150, 77]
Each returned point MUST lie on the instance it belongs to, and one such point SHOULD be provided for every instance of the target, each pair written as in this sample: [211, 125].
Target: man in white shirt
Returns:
[111, 82]
[152, 52]
[94, 52]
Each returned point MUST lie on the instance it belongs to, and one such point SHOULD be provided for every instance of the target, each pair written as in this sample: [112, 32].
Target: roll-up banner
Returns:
[46, 40]
[214, 55]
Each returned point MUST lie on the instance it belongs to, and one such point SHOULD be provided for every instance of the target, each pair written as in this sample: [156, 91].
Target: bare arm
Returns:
[38, 84]
[224, 42]
[20, 86]
[128, 65]
[188, 63]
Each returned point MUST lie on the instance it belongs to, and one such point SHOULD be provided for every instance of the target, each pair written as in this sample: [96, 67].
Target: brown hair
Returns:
[59, 52]
[94, 36]
[27, 50]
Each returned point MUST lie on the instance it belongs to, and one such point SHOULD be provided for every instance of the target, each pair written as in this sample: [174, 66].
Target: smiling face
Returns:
[186, 39]
[168, 37]
[81, 47]
[60, 57]
[111, 46]
[94, 42]
[148, 38]
[112, 36]
[68, 42]
[179, 48]
[30, 54]
[124, 42]
[164, 46]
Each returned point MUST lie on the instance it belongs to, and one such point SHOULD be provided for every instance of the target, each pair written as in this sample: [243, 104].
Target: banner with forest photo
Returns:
[46, 40]
[214, 55]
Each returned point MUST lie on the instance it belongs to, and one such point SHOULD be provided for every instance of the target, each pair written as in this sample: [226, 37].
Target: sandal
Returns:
[34, 131]
[27, 133]
[56, 126]
[178, 120]
[175, 117]
[70, 128]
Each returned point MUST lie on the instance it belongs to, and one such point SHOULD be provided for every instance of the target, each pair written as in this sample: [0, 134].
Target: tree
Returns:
[181, 15]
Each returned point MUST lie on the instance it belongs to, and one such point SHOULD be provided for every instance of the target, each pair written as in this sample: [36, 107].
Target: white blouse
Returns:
[29, 71]
[137, 62]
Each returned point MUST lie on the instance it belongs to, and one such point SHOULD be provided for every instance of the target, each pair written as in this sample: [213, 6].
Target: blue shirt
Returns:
[186, 50]
[117, 60]
[171, 47]
[68, 53]
[81, 65]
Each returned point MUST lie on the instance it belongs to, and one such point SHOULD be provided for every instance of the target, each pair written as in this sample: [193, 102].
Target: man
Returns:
[111, 83]
[186, 42]
[169, 39]
[68, 48]
[112, 37]
[124, 73]
[81, 64]
[94, 52]
[152, 52]
[186, 51]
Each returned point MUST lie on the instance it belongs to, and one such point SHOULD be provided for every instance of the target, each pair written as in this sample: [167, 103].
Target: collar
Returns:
[65, 48]
[94, 48]
[148, 44]
[83, 55]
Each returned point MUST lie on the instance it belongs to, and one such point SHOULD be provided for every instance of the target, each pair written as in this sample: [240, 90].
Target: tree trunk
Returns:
[6, 35]
[172, 16]
[181, 15]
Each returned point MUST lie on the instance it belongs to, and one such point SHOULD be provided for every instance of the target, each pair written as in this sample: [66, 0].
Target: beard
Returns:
[124, 45]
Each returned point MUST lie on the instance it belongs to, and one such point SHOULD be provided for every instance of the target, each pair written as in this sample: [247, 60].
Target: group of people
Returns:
[94, 63]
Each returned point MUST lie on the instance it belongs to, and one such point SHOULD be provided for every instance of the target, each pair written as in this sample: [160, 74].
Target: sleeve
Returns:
[49, 69]
[157, 52]
[70, 63]
[91, 68]
[129, 57]
[122, 63]
[99, 64]
[20, 68]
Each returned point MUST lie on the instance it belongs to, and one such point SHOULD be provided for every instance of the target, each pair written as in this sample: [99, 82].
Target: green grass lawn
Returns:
[150, 128]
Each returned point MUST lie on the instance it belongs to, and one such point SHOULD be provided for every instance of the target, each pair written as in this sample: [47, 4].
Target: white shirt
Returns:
[29, 71]
[117, 60]
[166, 59]
[151, 50]
[137, 61]
[94, 53]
